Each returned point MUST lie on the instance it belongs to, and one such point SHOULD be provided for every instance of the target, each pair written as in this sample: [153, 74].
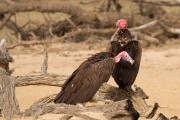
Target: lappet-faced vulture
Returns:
[125, 74]
[86, 80]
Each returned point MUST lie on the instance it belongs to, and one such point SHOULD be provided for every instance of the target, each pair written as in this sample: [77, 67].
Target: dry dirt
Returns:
[159, 74]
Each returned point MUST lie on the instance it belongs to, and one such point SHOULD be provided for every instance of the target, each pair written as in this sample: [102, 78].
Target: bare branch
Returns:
[145, 26]
[5, 20]
[162, 2]
[169, 29]
[33, 42]
[48, 79]
[44, 66]
[148, 38]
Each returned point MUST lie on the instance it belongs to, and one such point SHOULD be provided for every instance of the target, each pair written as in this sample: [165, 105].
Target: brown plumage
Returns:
[123, 36]
[86, 80]
[124, 73]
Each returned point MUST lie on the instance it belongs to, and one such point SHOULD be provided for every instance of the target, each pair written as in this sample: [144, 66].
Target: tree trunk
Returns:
[8, 103]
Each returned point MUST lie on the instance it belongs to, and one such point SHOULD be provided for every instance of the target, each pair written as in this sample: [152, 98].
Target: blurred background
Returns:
[72, 30]
[24, 20]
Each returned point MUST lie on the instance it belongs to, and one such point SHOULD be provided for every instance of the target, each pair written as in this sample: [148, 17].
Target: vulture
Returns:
[125, 74]
[86, 80]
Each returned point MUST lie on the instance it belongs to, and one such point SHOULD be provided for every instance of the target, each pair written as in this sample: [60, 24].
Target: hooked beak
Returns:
[130, 60]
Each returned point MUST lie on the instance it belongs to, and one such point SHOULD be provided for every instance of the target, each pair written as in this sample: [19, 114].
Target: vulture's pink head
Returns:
[124, 55]
[122, 24]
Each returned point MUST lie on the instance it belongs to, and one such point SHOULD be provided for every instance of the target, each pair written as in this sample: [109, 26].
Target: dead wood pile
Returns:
[119, 104]
[80, 24]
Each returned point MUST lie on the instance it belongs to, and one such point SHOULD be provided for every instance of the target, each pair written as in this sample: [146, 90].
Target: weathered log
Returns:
[109, 93]
[115, 94]
[48, 79]
[118, 110]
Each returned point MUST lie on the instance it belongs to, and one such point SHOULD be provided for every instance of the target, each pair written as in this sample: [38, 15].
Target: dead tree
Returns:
[8, 103]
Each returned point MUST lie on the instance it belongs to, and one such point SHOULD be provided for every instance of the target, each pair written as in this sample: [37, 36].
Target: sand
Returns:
[159, 74]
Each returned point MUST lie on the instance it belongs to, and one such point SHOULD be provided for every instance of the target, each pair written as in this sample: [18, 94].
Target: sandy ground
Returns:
[159, 73]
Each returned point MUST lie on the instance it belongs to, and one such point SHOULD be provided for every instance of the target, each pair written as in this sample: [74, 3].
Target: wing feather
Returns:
[85, 81]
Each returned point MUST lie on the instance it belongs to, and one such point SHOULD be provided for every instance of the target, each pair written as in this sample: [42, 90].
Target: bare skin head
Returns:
[122, 24]
[123, 55]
